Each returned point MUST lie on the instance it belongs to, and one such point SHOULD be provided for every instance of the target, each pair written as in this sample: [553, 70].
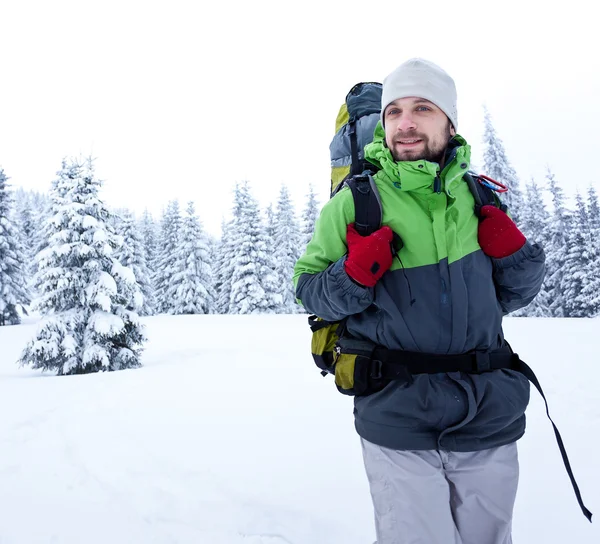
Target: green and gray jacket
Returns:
[443, 296]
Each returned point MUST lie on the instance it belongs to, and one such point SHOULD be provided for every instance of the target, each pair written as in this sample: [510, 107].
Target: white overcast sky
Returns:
[181, 99]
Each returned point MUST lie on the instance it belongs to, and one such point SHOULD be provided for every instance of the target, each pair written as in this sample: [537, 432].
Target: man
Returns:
[439, 448]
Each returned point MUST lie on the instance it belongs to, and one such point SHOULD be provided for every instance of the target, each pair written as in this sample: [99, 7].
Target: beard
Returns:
[430, 149]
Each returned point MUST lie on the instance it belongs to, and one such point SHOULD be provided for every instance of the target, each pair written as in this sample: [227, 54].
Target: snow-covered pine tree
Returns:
[41, 205]
[213, 250]
[270, 222]
[89, 299]
[534, 224]
[498, 167]
[590, 292]
[191, 288]
[223, 268]
[254, 285]
[165, 261]
[270, 226]
[133, 255]
[287, 249]
[593, 212]
[27, 227]
[577, 262]
[535, 216]
[214, 244]
[224, 263]
[556, 247]
[14, 294]
[116, 218]
[309, 216]
[149, 232]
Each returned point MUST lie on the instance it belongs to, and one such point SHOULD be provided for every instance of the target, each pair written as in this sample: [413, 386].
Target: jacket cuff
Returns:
[348, 286]
[526, 253]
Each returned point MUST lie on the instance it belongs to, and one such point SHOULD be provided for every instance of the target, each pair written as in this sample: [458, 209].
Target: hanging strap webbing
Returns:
[524, 369]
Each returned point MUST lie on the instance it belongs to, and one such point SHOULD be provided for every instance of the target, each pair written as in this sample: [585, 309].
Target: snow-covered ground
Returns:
[228, 434]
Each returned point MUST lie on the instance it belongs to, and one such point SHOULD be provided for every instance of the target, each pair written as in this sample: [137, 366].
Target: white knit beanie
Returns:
[424, 79]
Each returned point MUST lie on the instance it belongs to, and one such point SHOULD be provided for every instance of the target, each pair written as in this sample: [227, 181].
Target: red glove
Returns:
[498, 235]
[368, 256]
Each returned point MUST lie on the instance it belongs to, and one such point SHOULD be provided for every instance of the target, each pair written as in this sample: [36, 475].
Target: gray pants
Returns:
[438, 497]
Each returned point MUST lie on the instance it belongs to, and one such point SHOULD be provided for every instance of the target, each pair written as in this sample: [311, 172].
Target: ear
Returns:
[452, 130]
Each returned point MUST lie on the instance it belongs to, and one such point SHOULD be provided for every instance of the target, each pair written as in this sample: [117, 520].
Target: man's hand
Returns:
[498, 235]
[368, 256]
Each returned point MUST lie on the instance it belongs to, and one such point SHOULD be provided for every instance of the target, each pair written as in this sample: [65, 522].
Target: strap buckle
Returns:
[482, 362]
[392, 372]
[376, 366]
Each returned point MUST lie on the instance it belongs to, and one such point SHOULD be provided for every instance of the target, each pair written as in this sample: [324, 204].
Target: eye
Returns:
[423, 108]
[393, 111]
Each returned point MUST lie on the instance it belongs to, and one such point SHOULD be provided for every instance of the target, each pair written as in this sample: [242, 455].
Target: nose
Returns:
[406, 123]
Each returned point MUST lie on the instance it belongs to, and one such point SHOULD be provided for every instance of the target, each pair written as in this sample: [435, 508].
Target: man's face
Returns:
[416, 129]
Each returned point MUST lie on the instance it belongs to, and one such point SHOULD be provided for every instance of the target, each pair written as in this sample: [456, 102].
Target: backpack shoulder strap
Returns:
[367, 203]
[483, 195]
[354, 169]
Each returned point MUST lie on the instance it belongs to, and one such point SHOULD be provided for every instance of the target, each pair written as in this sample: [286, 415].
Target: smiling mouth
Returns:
[408, 142]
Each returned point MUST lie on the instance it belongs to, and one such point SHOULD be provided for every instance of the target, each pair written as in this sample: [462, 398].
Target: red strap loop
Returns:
[501, 187]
